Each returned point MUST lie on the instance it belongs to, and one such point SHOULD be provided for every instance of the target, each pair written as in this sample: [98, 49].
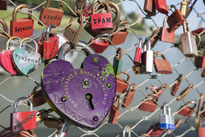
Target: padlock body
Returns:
[174, 89]
[148, 106]
[37, 99]
[119, 37]
[162, 66]
[72, 35]
[149, 7]
[167, 35]
[138, 55]
[148, 60]
[50, 48]
[128, 99]
[186, 112]
[175, 20]
[167, 122]
[114, 113]
[156, 131]
[200, 62]
[117, 65]
[51, 16]
[21, 121]
[21, 27]
[3, 4]
[101, 21]
[122, 85]
[161, 6]
[201, 132]
[99, 45]
[189, 47]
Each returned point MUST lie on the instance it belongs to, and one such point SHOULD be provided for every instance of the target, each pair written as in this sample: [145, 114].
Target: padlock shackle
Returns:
[107, 7]
[117, 13]
[119, 53]
[126, 73]
[186, 27]
[16, 10]
[29, 39]
[48, 31]
[193, 103]
[15, 105]
[166, 109]
[60, 6]
[132, 88]
[185, 92]
[199, 38]
[164, 21]
[120, 24]
[63, 129]
[35, 89]
[198, 112]
[117, 104]
[5, 27]
[153, 97]
[9, 40]
[163, 87]
[147, 44]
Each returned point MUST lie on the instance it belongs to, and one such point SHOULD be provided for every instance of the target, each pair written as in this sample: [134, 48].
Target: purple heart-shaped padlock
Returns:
[84, 95]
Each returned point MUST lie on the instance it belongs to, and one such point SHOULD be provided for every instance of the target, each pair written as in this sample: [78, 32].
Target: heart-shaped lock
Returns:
[26, 62]
[6, 57]
[83, 96]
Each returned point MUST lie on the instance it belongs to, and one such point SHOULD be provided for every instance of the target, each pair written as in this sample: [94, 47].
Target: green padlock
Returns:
[117, 63]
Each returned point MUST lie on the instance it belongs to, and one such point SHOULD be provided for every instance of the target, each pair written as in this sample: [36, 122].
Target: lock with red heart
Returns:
[166, 34]
[50, 15]
[22, 27]
[115, 110]
[187, 109]
[72, 92]
[22, 120]
[129, 95]
[120, 34]
[6, 57]
[138, 53]
[48, 44]
[100, 44]
[175, 20]
[122, 84]
[149, 104]
[161, 6]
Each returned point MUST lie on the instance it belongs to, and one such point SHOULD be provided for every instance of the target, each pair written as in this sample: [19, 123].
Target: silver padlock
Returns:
[3, 37]
[63, 130]
[189, 47]
[147, 56]
[166, 119]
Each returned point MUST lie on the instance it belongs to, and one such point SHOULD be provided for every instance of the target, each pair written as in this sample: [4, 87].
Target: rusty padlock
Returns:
[22, 27]
[198, 112]
[115, 110]
[3, 4]
[122, 84]
[199, 60]
[161, 6]
[129, 95]
[149, 7]
[4, 36]
[73, 35]
[166, 34]
[162, 66]
[100, 44]
[185, 92]
[176, 85]
[120, 35]
[51, 15]
[36, 97]
[176, 19]
[155, 36]
[149, 104]
[187, 109]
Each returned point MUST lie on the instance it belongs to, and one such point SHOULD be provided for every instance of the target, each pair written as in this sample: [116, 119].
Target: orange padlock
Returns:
[176, 85]
[149, 104]
[122, 84]
[186, 110]
[115, 110]
[129, 95]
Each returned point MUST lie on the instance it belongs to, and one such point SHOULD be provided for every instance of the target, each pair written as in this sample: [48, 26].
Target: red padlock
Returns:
[22, 120]
[36, 97]
[155, 131]
[199, 61]
[100, 44]
[161, 6]
[21, 27]
[138, 53]
[122, 84]
[6, 57]
[176, 19]
[149, 7]
[176, 85]
[129, 95]
[115, 110]
[149, 104]
[166, 34]
[187, 109]
[48, 44]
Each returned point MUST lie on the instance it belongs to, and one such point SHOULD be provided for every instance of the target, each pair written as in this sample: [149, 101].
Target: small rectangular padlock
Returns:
[36, 97]
[187, 109]
[22, 120]
[161, 6]
[149, 104]
[149, 7]
[51, 15]
[148, 56]
[119, 37]
[99, 45]
[138, 53]
[189, 47]
[162, 66]
[199, 60]
[117, 62]
[22, 27]
[166, 119]
[3, 4]
[122, 84]
[166, 34]
[129, 95]
[154, 131]
[175, 20]
[115, 110]
[176, 85]
[73, 35]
